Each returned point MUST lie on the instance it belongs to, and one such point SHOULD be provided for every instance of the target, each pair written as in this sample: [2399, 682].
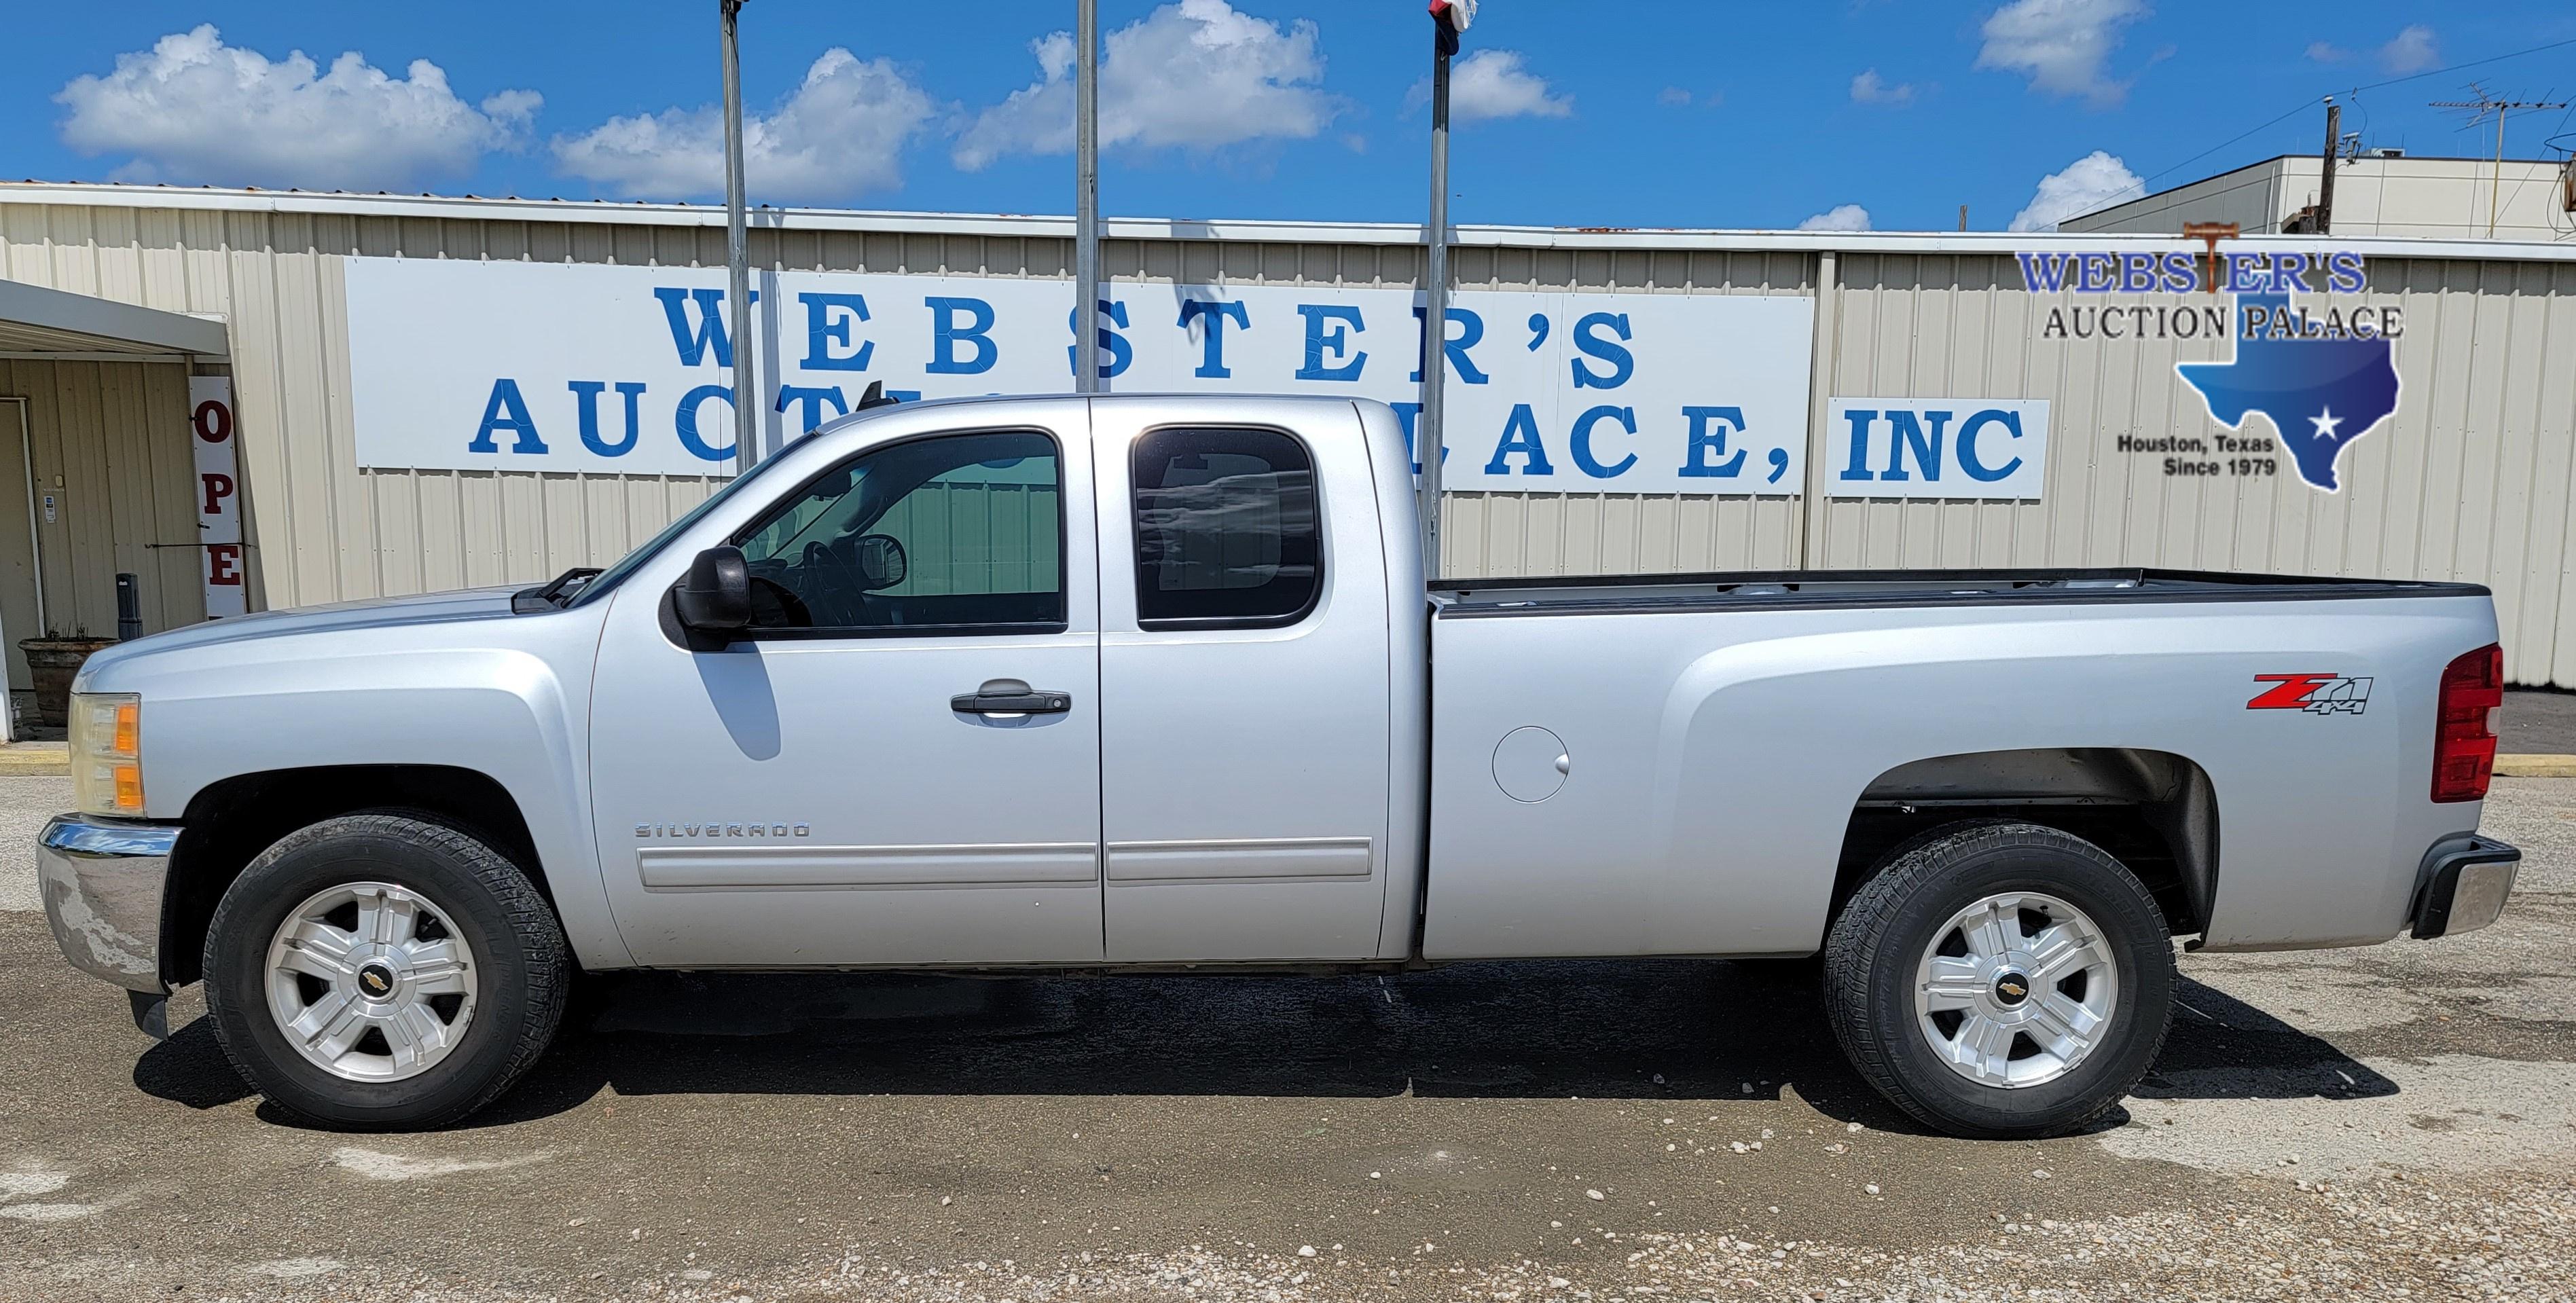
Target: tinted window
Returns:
[1225, 528]
[960, 531]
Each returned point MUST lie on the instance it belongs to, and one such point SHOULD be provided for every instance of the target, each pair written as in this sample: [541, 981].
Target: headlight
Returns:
[107, 753]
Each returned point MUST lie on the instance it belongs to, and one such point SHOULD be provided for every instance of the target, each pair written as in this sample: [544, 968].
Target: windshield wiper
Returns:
[555, 594]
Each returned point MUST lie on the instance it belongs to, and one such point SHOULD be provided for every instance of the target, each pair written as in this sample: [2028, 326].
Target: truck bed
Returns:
[1813, 590]
[1674, 763]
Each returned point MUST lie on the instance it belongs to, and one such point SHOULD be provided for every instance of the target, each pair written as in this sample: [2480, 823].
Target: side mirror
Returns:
[716, 595]
[881, 561]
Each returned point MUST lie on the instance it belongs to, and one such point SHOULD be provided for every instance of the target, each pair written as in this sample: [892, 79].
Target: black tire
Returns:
[1904, 910]
[523, 968]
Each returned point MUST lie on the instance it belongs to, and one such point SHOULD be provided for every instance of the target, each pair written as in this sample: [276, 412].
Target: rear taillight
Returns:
[2464, 743]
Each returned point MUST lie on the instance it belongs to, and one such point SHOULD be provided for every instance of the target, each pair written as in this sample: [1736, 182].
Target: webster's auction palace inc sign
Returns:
[628, 370]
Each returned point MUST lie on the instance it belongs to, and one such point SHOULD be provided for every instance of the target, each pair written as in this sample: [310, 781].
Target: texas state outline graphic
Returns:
[2320, 394]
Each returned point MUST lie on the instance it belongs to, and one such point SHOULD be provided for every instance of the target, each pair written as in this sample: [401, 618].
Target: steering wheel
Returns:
[776, 606]
[846, 584]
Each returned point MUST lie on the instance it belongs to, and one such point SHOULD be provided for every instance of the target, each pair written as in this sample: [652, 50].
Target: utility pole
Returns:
[1448, 19]
[2325, 188]
[1086, 198]
[746, 401]
[2478, 109]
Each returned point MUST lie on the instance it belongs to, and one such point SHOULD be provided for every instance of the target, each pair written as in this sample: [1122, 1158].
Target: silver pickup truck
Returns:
[1155, 684]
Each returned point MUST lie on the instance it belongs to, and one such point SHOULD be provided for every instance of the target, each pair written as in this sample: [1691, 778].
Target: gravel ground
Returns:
[2390, 1122]
[25, 804]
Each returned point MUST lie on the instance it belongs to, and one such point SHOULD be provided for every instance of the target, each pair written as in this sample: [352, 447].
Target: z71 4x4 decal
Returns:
[2317, 694]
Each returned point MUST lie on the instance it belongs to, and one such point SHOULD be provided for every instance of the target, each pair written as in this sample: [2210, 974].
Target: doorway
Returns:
[22, 583]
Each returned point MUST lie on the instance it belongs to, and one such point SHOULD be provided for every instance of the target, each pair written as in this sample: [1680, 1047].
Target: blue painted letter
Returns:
[1409, 415]
[1520, 435]
[507, 411]
[812, 400]
[1212, 348]
[585, 395]
[1336, 341]
[1471, 328]
[1704, 456]
[1623, 363]
[1905, 432]
[1860, 418]
[685, 421]
[692, 342]
[822, 330]
[1120, 353]
[1977, 470]
[946, 335]
[1580, 444]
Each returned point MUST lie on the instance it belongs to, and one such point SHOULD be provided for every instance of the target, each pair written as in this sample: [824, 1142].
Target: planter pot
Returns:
[53, 663]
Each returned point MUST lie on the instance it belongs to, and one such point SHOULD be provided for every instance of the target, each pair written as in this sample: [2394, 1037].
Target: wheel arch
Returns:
[231, 821]
[2154, 811]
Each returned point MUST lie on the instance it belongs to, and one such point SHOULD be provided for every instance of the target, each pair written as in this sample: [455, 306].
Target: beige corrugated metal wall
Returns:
[2472, 482]
[109, 441]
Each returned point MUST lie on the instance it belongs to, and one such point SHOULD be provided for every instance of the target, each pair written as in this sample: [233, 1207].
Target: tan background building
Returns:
[2375, 194]
[91, 393]
[2471, 480]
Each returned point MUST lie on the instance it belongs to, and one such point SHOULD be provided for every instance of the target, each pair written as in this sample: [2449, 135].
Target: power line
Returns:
[2304, 105]
[2473, 63]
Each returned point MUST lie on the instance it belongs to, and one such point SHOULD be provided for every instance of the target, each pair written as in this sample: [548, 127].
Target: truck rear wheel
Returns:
[382, 971]
[2001, 981]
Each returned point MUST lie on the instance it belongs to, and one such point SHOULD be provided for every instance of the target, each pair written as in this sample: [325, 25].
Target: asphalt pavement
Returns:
[2537, 722]
[2390, 1122]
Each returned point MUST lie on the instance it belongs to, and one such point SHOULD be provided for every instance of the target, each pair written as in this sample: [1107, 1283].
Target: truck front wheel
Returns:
[2001, 981]
[383, 971]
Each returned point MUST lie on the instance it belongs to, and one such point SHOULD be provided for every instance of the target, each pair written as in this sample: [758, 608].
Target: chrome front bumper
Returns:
[2465, 886]
[102, 882]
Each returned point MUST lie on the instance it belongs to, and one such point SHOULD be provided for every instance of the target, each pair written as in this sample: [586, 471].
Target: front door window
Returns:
[963, 533]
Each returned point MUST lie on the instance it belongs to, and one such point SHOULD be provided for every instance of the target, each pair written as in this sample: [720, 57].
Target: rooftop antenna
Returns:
[2478, 110]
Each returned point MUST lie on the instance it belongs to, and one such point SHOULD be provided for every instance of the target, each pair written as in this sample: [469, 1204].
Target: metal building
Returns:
[2382, 192]
[2470, 478]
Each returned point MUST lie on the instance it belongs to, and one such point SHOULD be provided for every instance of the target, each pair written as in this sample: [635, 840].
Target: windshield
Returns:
[616, 574]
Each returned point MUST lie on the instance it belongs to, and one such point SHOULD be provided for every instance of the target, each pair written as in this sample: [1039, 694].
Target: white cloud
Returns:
[1840, 217]
[2060, 44]
[1492, 84]
[2411, 50]
[2090, 182]
[1674, 96]
[194, 110]
[1196, 75]
[1870, 88]
[839, 135]
[2327, 52]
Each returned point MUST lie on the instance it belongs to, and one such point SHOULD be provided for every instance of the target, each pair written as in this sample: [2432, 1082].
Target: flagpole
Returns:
[746, 426]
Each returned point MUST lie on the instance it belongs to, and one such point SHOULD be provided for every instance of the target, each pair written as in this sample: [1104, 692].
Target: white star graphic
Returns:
[2325, 420]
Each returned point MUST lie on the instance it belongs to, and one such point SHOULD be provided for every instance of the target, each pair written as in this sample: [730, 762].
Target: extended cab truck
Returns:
[1155, 683]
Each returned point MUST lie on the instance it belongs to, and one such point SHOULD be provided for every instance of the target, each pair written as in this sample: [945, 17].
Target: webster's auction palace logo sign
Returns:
[2322, 374]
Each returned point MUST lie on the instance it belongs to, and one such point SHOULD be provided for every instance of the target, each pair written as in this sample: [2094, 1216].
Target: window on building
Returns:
[960, 532]
[1226, 529]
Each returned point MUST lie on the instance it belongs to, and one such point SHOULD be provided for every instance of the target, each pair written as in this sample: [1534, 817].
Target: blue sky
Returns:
[1582, 114]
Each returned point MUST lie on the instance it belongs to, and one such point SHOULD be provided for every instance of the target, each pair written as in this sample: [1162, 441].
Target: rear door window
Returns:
[1226, 529]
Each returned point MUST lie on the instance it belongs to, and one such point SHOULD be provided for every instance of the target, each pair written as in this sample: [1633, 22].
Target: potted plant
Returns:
[53, 661]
